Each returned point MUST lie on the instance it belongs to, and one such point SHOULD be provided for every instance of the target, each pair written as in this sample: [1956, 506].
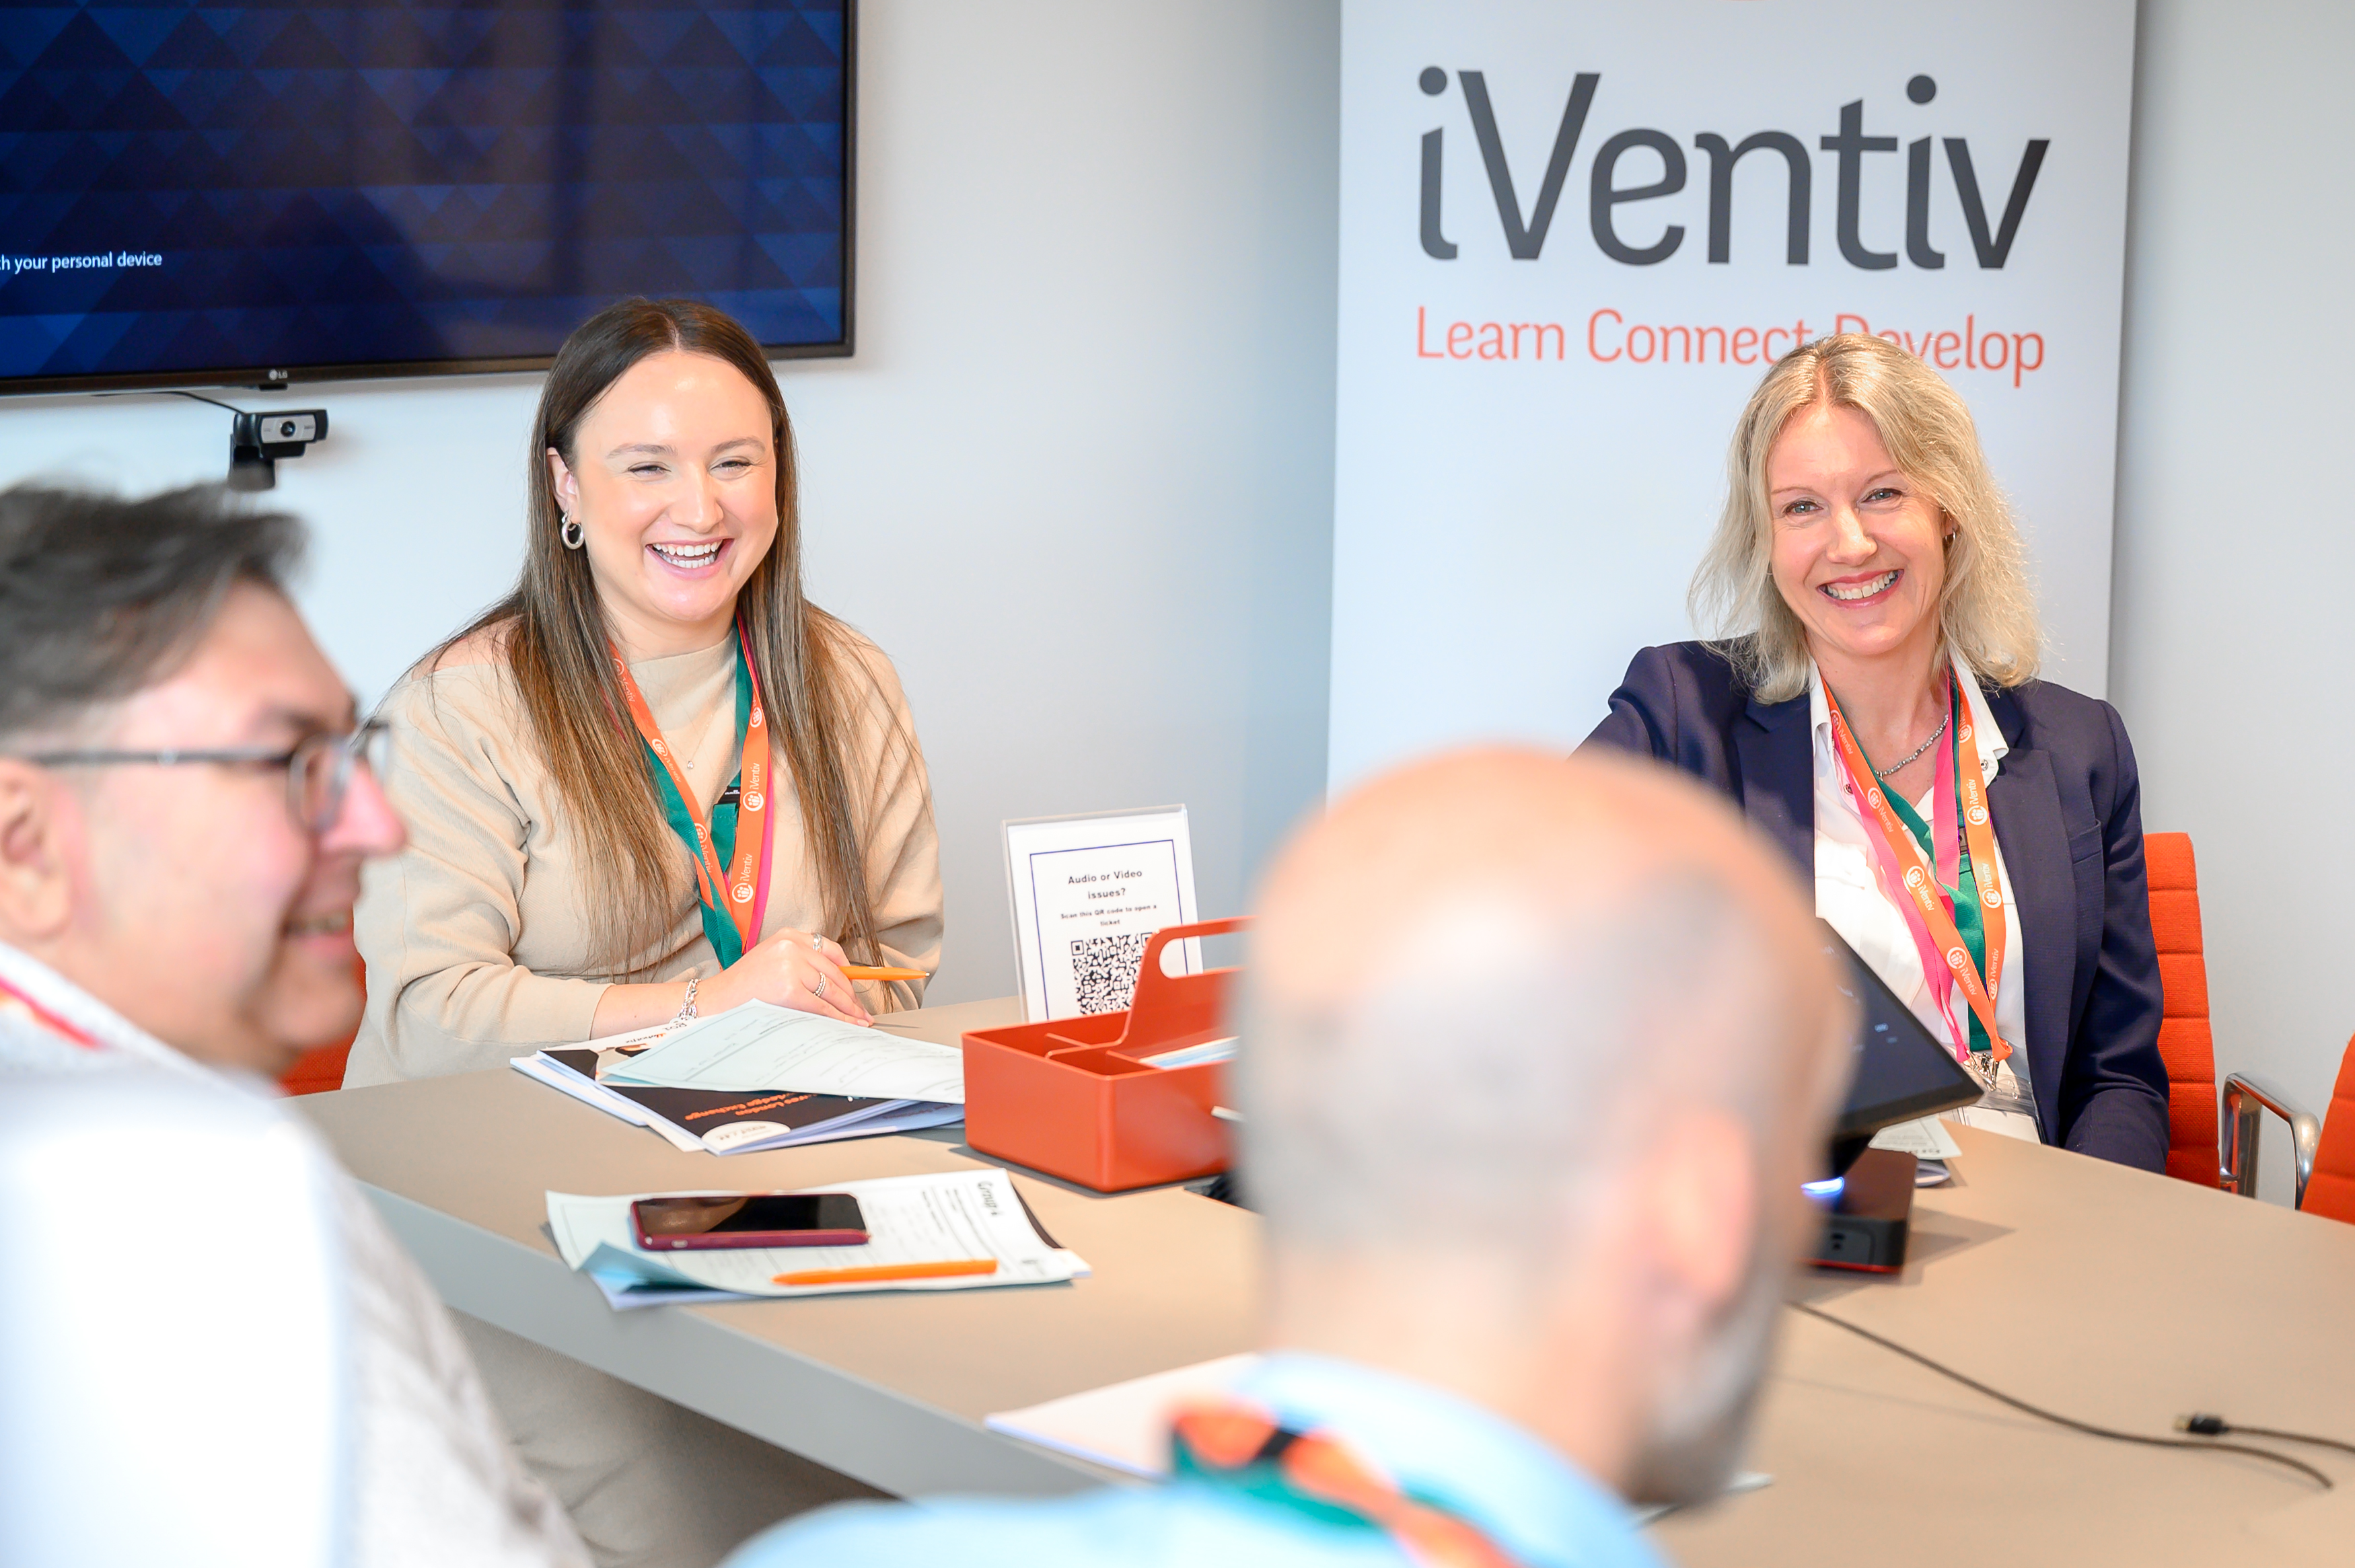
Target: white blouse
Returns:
[1851, 898]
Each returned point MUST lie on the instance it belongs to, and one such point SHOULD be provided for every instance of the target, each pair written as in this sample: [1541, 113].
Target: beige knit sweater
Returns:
[477, 945]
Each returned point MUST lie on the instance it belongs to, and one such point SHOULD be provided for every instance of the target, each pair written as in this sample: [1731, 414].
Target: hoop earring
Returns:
[572, 533]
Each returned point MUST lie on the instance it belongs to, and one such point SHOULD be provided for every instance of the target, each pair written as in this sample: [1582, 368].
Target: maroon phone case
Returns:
[740, 1241]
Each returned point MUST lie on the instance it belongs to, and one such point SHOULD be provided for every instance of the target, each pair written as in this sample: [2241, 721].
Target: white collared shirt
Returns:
[1851, 898]
[439, 1484]
[116, 1040]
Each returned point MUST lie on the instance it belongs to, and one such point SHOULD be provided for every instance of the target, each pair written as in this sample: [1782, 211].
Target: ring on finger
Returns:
[818, 988]
[818, 943]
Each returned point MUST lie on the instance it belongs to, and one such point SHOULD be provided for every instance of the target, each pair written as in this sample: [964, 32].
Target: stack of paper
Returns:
[757, 1047]
[759, 1077]
[955, 1216]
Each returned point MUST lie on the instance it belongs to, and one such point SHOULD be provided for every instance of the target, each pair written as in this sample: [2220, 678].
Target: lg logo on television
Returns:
[1612, 209]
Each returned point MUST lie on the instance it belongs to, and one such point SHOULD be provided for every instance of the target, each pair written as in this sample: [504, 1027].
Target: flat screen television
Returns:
[265, 195]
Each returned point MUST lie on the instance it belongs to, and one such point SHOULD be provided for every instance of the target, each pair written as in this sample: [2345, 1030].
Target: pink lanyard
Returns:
[46, 1019]
[1918, 892]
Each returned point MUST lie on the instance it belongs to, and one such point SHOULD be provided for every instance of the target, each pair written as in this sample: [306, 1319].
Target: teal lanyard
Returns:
[717, 928]
[1963, 898]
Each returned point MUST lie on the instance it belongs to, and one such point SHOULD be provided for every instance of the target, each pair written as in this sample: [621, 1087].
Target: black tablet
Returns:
[1903, 1071]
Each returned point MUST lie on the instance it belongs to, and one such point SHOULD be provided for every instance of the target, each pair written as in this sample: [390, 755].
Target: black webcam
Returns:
[256, 442]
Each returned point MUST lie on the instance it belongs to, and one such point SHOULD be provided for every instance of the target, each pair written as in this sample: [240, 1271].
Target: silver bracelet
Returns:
[686, 1007]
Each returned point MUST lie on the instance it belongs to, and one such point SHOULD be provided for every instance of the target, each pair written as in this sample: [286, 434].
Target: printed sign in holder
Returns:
[1088, 892]
[1073, 1097]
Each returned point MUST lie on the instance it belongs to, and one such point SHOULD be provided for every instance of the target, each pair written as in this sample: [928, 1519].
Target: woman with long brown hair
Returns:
[654, 781]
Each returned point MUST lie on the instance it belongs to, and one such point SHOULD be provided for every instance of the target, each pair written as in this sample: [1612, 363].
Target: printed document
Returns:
[757, 1048]
[946, 1217]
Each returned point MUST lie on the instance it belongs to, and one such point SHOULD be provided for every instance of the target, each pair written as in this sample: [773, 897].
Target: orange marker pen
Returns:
[878, 1272]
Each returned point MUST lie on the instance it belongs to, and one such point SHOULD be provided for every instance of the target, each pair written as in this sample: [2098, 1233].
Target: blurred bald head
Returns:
[1535, 1055]
[1474, 979]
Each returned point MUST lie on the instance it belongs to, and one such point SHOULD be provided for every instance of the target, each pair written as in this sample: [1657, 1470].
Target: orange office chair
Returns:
[317, 1070]
[2184, 1039]
[2322, 1152]
[320, 1068]
[2330, 1186]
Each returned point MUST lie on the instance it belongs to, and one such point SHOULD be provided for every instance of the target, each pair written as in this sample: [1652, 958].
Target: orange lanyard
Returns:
[1242, 1447]
[740, 889]
[1926, 908]
[46, 1019]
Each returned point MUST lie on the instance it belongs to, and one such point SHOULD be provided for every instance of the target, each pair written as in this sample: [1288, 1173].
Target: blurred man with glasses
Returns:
[186, 800]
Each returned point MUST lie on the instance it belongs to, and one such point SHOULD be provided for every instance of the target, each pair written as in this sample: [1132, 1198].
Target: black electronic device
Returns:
[256, 442]
[714, 1221]
[1901, 1071]
[1865, 1219]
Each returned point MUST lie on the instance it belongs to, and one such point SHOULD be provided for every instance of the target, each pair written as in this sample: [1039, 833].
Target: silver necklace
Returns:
[1915, 753]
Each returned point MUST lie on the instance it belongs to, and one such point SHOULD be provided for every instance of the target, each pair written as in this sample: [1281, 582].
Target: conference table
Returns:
[2112, 1295]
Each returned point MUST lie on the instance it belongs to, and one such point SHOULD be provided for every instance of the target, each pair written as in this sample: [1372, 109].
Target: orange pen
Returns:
[880, 972]
[878, 1272]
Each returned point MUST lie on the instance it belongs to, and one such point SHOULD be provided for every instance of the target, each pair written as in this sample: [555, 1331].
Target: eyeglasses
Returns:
[318, 770]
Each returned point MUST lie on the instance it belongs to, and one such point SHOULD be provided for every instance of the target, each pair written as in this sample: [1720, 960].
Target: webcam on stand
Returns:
[256, 442]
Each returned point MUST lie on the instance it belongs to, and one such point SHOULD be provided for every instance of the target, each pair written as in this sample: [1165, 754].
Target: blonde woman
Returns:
[1973, 832]
[654, 781]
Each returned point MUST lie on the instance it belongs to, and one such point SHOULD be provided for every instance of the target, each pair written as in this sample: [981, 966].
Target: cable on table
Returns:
[2074, 1425]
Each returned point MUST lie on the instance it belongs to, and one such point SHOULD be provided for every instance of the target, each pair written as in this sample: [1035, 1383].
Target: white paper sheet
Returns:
[757, 1048]
[1924, 1139]
[1123, 1426]
[952, 1215]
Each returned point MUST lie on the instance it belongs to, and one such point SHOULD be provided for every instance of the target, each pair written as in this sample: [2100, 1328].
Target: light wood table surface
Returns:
[889, 1387]
[2109, 1295]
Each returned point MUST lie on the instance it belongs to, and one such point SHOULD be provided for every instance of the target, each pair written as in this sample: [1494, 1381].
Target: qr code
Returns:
[1105, 969]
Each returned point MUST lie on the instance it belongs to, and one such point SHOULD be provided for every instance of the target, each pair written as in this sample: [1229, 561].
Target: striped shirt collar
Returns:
[109, 1030]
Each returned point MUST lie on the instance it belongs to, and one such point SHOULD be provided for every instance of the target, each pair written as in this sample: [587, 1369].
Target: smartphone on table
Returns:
[720, 1220]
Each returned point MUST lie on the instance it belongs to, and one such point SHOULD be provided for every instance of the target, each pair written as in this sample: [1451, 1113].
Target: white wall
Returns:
[1077, 481]
[2231, 637]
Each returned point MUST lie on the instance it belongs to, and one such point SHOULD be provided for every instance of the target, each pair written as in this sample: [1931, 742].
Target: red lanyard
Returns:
[45, 1018]
[740, 889]
[1926, 912]
[1241, 1446]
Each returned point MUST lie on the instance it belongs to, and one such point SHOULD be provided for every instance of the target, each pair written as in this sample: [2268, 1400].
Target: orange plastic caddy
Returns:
[1070, 1098]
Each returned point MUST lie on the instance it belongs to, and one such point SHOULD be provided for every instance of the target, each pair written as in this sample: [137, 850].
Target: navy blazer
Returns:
[2068, 813]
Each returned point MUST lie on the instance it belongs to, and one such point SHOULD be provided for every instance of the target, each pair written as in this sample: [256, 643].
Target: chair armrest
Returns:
[2244, 1099]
